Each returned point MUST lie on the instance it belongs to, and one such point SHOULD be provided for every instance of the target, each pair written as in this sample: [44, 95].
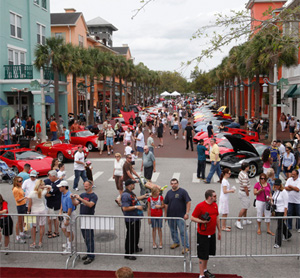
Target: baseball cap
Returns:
[62, 183]
[129, 182]
[88, 162]
[33, 173]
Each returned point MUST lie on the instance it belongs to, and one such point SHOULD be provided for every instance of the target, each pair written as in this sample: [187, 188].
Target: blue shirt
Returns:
[24, 176]
[66, 202]
[67, 134]
[176, 201]
[274, 152]
[201, 152]
[24, 123]
[129, 199]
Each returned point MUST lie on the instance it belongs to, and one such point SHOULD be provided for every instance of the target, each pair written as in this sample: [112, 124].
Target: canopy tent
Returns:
[165, 93]
[175, 93]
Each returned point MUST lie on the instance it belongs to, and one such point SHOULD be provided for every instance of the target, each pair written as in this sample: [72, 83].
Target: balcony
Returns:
[49, 75]
[18, 72]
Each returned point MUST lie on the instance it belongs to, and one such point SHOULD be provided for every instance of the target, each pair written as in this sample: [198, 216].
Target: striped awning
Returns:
[290, 91]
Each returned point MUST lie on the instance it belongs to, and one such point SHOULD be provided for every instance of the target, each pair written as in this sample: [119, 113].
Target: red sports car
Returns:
[60, 150]
[16, 159]
[84, 138]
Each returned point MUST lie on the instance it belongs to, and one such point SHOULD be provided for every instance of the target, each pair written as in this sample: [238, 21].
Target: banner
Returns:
[126, 115]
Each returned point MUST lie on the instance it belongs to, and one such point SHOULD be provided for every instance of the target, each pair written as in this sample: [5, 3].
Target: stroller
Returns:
[6, 174]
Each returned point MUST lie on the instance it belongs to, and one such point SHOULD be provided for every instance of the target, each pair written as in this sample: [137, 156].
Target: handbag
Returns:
[254, 203]
[268, 202]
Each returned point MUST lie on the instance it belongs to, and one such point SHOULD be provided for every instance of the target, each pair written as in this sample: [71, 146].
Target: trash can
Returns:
[24, 143]
[242, 120]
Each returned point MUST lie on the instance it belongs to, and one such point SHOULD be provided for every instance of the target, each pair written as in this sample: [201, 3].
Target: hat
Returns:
[62, 183]
[129, 182]
[33, 173]
[277, 182]
[88, 162]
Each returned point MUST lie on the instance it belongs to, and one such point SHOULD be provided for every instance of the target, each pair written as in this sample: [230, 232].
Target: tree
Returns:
[201, 83]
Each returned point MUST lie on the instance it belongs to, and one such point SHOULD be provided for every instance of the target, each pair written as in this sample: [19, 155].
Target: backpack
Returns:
[18, 130]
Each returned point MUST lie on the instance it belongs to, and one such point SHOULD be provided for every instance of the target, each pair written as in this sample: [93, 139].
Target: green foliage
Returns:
[172, 81]
[202, 82]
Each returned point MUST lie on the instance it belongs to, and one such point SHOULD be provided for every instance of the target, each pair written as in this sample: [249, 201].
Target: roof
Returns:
[122, 50]
[250, 3]
[64, 18]
[99, 21]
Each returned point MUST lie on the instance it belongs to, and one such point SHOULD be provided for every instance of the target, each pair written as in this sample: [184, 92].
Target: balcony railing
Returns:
[49, 75]
[18, 72]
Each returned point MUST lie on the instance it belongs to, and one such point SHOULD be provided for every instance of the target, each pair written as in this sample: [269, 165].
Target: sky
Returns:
[160, 34]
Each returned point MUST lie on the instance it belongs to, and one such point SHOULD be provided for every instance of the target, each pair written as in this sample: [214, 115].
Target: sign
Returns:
[279, 105]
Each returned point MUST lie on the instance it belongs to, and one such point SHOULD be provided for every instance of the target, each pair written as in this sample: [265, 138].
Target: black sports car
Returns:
[243, 152]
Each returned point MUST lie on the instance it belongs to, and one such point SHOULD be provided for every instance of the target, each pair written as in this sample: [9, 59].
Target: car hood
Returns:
[241, 144]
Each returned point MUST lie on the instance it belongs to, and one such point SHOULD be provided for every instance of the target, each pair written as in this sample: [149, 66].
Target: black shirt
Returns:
[189, 131]
[54, 201]
[90, 198]
[210, 130]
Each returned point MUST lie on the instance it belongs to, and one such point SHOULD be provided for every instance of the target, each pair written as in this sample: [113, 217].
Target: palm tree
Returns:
[120, 70]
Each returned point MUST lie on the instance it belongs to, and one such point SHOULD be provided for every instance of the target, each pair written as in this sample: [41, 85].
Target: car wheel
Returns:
[15, 169]
[61, 157]
[90, 146]
[39, 150]
[252, 170]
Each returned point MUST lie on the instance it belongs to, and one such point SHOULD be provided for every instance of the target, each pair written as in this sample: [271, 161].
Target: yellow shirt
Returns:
[213, 151]
[19, 194]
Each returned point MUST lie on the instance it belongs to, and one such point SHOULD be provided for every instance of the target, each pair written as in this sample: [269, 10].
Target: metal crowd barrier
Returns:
[247, 243]
[49, 245]
[110, 233]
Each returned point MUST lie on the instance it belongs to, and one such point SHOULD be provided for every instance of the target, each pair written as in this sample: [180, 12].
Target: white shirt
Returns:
[141, 142]
[28, 186]
[294, 196]
[144, 118]
[280, 199]
[38, 204]
[222, 194]
[127, 135]
[281, 149]
[61, 174]
[79, 157]
[128, 150]
[118, 165]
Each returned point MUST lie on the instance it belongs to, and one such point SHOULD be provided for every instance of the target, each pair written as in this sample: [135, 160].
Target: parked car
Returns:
[84, 138]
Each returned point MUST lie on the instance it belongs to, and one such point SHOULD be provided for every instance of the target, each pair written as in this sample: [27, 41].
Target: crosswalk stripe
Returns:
[97, 175]
[195, 179]
[176, 176]
[111, 179]
[71, 178]
[155, 176]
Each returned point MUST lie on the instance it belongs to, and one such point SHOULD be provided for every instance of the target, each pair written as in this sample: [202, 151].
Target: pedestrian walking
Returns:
[175, 127]
[118, 176]
[214, 154]
[140, 142]
[53, 129]
[79, 168]
[201, 159]
[38, 132]
[189, 134]
[109, 137]
[282, 121]
[101, 140]
[89, 172]
[210, 130]
[275, 156]
[150, 142]
[149, 163]
[66, 133]
[160, 131]
[292, 126]
[288, 162]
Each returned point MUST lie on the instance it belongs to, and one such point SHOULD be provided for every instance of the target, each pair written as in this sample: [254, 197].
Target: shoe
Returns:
[21, 241]
[108, 153]
[205, 181]
[64, 245]
[154, 246]
[208, 274]
[138, 250]
[32, 245]
[238, 225]
[160, 246]
[185, 250]
[276, 246]
[286, 239]
[66, 251]
[270, 233]
[88, 261]
[40, 245]
[117, 143]
[76, 189]
[25, 236]
[112, 151]
[247, 222]
[131, 258]
[84, 257]
[174, 245]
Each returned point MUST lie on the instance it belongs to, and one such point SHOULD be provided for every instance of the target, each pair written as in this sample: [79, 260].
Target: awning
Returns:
[2, 102]
[290, 91]
[296, 94]
[49, 99]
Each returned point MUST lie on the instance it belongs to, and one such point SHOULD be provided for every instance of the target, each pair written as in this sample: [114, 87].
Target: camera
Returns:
[205, 216]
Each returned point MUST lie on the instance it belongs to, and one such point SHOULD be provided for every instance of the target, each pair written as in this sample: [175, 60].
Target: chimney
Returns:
[70, 10]
[125, 45]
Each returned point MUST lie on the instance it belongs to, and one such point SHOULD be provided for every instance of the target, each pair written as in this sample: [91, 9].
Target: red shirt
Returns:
[53, 126]
[156, 201]
[38, 128]
[4, 206]
[209, 228]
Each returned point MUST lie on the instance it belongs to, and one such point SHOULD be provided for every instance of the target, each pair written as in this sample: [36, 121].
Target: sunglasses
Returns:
[215, 196]
[262, 178]
[20, 180]
[129, 157]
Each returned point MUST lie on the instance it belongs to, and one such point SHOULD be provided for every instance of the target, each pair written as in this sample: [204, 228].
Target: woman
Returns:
[288, 162]
[127, 137]
[224, 198]
[176, 127]
[262, 191]
[282, 121]
[160, 131]
[118, 129]
[37, 206]
[221, 127]
[118, 176]
[266, 158]
[101, 140]
[20, 199]
[271, 178]
[280, 201]
[169, 122]
[54, 164]
[6, 223]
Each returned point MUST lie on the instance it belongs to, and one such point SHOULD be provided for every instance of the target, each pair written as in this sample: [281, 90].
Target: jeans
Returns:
[281, 229]
[180, 224]
[213, 169]
[79, 174]
[88, 236]
[54, 135]
[275, 167]
[277, 173]
[293, 210]
[132, 236]
[201, 168]
[189, 140]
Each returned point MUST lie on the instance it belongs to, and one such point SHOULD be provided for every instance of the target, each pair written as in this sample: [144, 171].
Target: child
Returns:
[61, 171]
[133, 157]
[155, 210]
[128, 148]
[89, 173]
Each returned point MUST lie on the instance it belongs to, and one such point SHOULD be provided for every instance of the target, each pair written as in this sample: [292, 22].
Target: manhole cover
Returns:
[105, 237]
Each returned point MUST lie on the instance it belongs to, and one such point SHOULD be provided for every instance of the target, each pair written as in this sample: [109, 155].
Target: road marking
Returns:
[71, 178]
[195, 179]
[97, 175]
[155, 176]
[111, 179]
[107, 159]
[176, 176]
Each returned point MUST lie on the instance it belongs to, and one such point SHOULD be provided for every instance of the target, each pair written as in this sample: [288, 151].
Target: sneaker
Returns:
[286, 239]
[21, 241]
[64, 245]
[174, 245]
[238, 225]
[247, 222]
[66, 251]
[112, 151]
[76, 189]
[117, 143]
[276, 246]
[88, 261]
[108, 153]
[185, 250]
[208, 274]
[25, 236]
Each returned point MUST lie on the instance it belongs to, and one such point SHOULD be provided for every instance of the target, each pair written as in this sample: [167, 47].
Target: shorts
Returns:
[109, 141]
[71, 223]
[244, 199]
[6, 224]
[159, 135]
[39, 220]
[285, 169]
[52, 211]
[140, 149]
[206, 245]
[292, 129]
[39, 136]
[22, 209]
[119, 182]
[156, 223]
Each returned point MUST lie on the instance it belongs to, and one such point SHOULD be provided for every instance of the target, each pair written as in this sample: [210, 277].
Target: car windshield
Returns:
[225, 143]
[260, 148]
[29, 155]
[84, 133]
[56, 142]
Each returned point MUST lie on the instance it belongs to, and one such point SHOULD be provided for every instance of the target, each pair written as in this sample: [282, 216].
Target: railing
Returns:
[18, 72]
[49, 74]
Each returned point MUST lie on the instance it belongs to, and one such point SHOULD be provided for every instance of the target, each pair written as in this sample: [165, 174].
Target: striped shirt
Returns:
[244, 181]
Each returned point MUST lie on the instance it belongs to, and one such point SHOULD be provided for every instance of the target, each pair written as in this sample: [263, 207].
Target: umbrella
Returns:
[175, 93]
[165, 93]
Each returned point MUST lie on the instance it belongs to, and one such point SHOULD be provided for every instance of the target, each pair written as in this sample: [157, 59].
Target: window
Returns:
[294, 107]
[16, 56]
[41, 30]
[37, 2]
[15, 26]
[10, 57]
[44, 4]
[80, 40]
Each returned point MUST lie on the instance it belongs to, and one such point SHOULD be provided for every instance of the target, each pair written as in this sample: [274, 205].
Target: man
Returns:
[281, 149]
[87, 201]
[150, 142]
[75, 126]
[183, 124]
[79, 168]
[128, 170]
[6, 134]
[201, 159]
[274, 153]
[178, 204]
[148, 162]
[29, 184]
[244, 195]
[53, 129]
[132, 207]
[109, 137]
[38, 132]
[292, 186]
[140, 143]
[210, 130]
[53, 202]
[189, 134]
[206, 230]
[67, 209]
[25, 173]
[66, 135]
[214, 155]
[144, 119]
[61, 123]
